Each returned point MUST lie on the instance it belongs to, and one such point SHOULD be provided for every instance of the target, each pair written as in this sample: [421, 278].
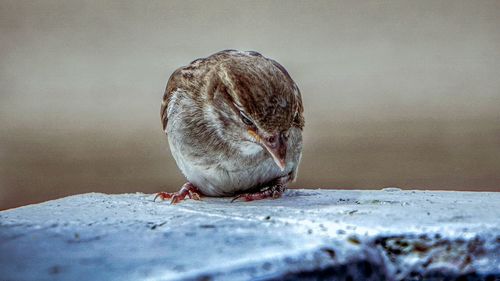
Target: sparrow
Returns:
[234, 124]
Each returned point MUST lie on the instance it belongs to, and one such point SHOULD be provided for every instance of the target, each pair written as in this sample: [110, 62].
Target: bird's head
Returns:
[258, 104]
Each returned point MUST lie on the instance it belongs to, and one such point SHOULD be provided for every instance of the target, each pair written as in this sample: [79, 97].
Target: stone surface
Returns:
[307, 234]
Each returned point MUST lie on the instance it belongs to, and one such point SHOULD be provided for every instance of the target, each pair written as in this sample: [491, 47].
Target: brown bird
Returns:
[234, 125]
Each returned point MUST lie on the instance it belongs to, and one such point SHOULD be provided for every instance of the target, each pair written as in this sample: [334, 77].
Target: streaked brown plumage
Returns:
[234, 123]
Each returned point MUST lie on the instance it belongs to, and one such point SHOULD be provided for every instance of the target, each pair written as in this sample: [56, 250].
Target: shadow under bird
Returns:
[234, 124]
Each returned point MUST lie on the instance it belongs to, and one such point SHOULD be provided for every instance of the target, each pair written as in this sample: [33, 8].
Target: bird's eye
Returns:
[245, 119]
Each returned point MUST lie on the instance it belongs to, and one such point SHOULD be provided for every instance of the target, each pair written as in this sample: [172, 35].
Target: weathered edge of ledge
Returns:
[339, 234]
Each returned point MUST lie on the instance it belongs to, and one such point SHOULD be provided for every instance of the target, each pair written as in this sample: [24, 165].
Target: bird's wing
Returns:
[163, 111]
[172, 87]
[298, 120]
[299, 117]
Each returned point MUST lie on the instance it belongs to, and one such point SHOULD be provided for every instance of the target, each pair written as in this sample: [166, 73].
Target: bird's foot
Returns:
[273, 192]
[188, 189]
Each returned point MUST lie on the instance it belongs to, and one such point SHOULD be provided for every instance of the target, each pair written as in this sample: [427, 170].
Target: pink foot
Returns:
[272, 192]
[188, 189]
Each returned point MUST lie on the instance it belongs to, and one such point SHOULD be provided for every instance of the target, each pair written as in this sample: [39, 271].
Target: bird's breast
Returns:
[227, 175]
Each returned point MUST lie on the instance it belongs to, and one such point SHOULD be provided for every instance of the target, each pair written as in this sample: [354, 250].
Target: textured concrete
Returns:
[307, 234]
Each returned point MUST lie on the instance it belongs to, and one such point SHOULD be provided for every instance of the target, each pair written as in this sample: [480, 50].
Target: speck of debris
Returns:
[354, 240]
[179, 267]
[330, 252]
[204, 278]
[207, 226]
[267, 266]
[55, 270]
[420, 247]
[153, 225]
[267, 218]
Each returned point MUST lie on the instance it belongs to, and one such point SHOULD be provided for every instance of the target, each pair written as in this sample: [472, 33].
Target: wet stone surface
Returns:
[387, 234]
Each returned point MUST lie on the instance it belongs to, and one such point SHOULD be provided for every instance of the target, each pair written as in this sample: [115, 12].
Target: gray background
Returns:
[396, 93]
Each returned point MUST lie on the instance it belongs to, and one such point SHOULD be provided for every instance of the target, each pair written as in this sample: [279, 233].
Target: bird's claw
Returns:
[187, 189]
[272, 192]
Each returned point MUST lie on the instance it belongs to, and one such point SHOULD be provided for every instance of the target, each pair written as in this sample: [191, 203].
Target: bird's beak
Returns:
[276, 146]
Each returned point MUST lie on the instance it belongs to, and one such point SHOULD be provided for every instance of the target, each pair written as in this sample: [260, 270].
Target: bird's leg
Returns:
[273, 191]
[188, 189]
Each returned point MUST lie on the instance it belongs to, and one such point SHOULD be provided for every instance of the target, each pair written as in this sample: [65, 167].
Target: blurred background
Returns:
[396, 93]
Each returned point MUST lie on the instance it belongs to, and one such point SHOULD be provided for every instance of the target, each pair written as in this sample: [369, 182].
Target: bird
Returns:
[234, 123]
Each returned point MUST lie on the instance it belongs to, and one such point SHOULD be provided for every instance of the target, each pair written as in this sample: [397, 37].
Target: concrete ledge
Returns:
[307, 234]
